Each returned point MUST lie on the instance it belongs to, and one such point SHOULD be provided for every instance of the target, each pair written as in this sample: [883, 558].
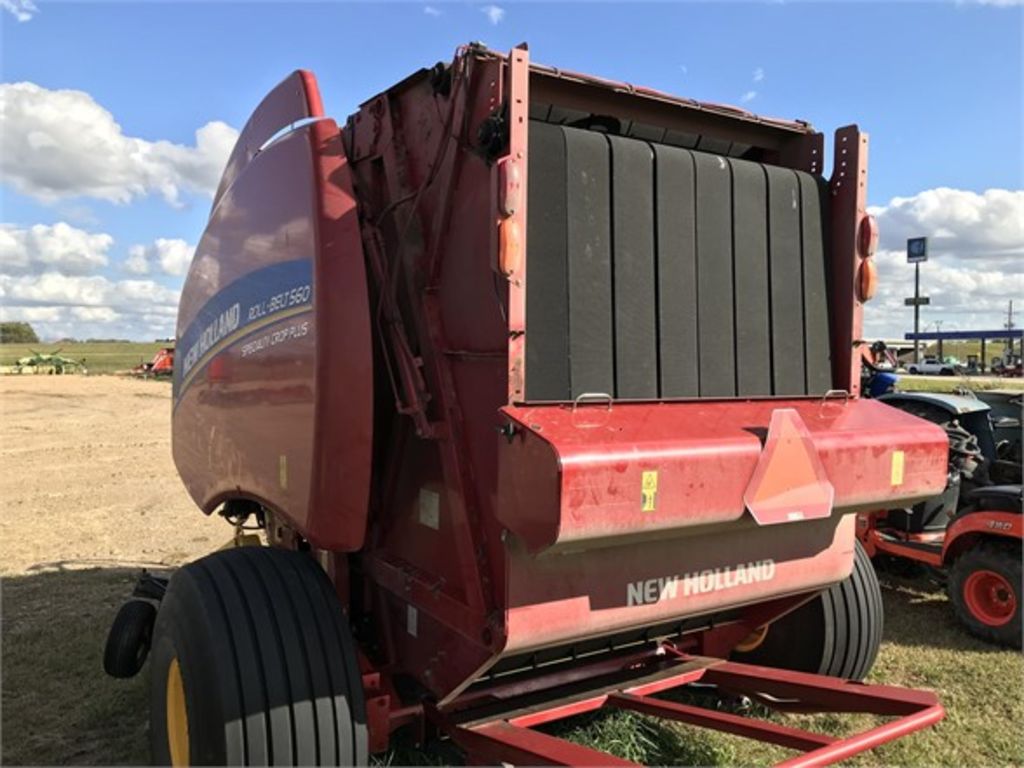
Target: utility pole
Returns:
[1008, 325]
[917, 251]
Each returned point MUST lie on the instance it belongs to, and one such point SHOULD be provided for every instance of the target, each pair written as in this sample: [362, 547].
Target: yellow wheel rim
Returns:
[753, 640]
[177, 715]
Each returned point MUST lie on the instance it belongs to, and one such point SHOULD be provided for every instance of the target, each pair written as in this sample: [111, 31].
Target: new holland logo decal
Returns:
[649, 591]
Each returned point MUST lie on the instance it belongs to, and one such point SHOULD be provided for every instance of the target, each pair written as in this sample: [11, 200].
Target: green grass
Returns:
[952, 384]
[961, 349]
[100, 357]
[59, 708]
[925, 647]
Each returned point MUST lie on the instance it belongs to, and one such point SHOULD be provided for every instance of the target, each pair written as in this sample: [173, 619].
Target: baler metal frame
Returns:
[462, 625]
[509, 736]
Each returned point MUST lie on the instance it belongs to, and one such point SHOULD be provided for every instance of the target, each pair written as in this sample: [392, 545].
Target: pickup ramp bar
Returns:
[508, 736]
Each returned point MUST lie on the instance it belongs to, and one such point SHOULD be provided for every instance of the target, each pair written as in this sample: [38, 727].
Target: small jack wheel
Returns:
[129, 638]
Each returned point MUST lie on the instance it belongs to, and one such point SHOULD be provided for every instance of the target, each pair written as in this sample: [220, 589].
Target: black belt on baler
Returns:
[655, 271]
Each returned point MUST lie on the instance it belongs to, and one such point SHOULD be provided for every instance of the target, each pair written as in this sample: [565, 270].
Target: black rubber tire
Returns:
[1005, 559]
[129, 638]
[267, 660]
[838, 633]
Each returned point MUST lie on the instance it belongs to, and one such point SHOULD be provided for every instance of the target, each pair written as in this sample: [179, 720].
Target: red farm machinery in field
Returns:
[545, 390]
[969, 535]
[162, 365]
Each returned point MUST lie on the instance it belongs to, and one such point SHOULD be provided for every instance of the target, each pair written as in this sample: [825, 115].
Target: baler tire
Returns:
[1003, 561]
[129, 638]
[837, 633]
[267, 663]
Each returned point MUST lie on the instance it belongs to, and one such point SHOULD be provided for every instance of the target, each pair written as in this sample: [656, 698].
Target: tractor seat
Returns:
[1006, 498]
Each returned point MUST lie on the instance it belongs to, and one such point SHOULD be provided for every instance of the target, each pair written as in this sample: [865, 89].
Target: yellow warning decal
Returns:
[898, 459]
[282, 472]
[649, 490]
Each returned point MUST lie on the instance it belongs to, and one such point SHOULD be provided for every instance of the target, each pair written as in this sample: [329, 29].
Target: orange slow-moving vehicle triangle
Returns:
[789, 482]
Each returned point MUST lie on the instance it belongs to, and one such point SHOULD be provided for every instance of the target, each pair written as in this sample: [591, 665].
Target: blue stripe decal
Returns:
[253, 301]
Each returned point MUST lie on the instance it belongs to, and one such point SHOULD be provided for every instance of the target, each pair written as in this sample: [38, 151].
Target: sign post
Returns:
[917, 251]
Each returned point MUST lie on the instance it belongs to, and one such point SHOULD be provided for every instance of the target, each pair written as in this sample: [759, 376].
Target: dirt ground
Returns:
[89, 495]
[88, 478]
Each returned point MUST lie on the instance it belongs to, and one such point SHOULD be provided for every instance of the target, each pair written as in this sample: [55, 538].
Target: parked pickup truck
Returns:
[934, 366]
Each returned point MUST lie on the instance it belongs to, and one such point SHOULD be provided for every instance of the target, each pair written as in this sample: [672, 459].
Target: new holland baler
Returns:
[545, 390]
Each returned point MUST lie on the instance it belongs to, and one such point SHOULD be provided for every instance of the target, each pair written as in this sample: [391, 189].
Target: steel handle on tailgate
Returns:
[592, 397]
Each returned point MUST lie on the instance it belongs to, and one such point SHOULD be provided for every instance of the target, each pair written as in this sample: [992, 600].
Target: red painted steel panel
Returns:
[503, 734]
[703, 455]
[579, 593]
[242, 420]
[256, 409]
[990, 523]
[343, 421]
[295, 98]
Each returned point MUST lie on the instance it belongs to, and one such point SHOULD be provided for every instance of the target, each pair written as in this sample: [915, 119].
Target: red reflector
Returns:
[867, 237]
[867, 280]
[789, 483]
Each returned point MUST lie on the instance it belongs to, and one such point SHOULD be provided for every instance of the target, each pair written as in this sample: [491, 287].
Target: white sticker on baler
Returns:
[411, 620]
[430, 508]
[649, 591]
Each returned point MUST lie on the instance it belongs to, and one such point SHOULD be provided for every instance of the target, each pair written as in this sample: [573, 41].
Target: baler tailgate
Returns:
[508, 737]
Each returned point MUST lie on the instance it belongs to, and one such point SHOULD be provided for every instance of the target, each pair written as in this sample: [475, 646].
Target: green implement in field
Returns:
[48, 362]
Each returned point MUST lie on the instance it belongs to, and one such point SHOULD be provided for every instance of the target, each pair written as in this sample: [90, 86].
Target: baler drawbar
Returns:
[545, 392]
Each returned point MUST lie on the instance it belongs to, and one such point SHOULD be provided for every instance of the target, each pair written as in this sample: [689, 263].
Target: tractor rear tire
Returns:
[129, 638]
[984, 587]
[837, 633]
[253, 663]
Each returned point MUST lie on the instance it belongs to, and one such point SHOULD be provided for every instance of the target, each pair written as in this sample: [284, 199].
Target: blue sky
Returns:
[939, 86]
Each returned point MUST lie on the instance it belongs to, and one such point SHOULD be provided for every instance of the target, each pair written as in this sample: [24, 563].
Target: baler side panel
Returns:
[435, 550]
[848, 192]
[343, 421]
[273, 378]
[244, 376]
[295, 98]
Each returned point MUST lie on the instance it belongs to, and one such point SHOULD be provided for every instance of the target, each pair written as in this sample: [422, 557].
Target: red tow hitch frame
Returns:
[496, 724]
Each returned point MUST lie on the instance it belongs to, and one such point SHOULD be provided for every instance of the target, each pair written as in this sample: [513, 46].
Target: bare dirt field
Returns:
[89, 495]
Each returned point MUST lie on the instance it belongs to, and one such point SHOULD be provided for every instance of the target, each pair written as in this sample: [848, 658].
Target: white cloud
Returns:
[494, 13]
[137, 262]
[30, 314]
[975, 252]
[95, 314]
[748, 96]
[89, 306]
[430, 10]
[758, 74]
[59, 247]
[57, 144]
[22, 10]
[965, 224]
[173, 255]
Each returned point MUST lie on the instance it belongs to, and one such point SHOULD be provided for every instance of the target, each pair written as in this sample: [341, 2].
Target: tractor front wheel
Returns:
[253, 663]
[984, 587]
[837, 633]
